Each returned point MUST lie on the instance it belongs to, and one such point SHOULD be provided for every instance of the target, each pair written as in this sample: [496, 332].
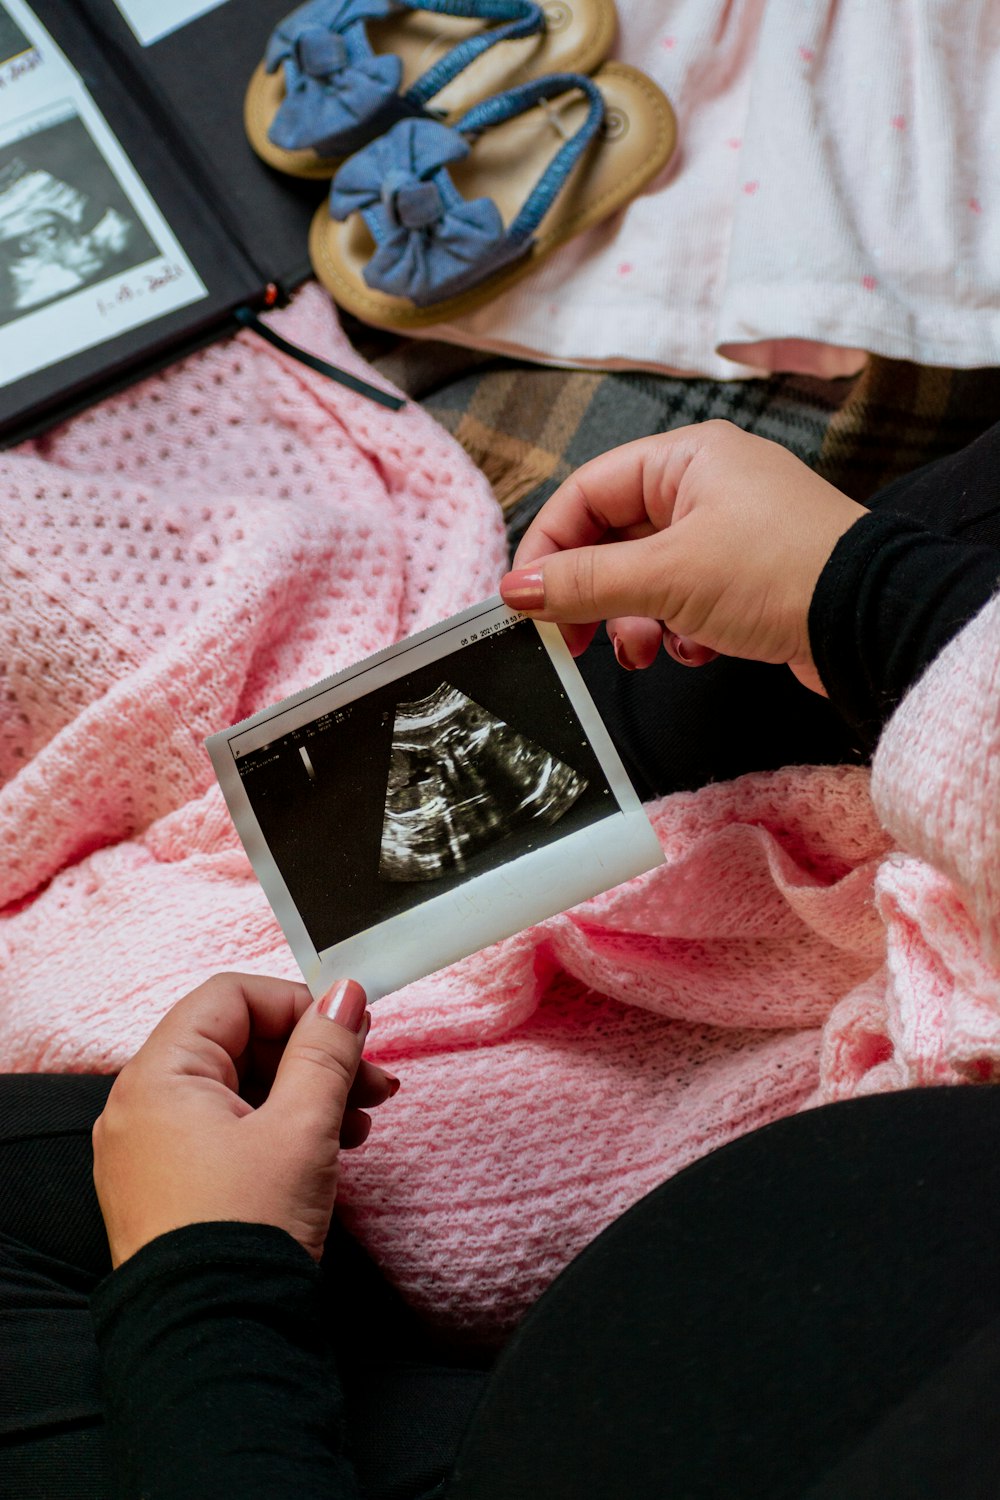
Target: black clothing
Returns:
[890, 598]
[677, 728]
[405, 1396]
[222, 1319]
[810, 1313]
[811, 1296]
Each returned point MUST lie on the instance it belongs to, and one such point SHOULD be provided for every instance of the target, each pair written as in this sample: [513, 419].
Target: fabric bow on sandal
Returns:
[335, 86]
[337, 73]
[432, 242]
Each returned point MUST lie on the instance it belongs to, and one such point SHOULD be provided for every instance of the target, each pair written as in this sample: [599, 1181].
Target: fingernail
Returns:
[621, 654]
[393, 1083]
[677, 648]
[523, 589]
[346, 1003]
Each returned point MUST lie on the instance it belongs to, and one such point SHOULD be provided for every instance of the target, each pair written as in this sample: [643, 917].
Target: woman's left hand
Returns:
[237, 1107]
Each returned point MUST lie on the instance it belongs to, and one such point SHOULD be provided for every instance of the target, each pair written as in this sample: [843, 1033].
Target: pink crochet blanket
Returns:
[238, 527]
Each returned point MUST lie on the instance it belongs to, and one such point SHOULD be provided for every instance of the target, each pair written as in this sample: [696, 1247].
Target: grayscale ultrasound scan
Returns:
[460, 779]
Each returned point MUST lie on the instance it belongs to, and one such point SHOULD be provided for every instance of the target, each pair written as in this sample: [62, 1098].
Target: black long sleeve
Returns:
[891, 597]
[219, 1371]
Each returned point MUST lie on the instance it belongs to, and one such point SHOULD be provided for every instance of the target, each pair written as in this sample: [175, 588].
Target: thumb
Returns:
[586, 584]
[322, 1056]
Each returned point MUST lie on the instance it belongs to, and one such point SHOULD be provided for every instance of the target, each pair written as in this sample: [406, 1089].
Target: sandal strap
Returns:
[517, 101]
[523, 18]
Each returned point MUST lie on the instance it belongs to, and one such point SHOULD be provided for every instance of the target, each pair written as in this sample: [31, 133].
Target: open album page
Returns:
[85, 253]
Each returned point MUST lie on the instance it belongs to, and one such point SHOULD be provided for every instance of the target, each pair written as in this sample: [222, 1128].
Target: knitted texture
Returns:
[239, 527]
[173, 560]
[932, 1014]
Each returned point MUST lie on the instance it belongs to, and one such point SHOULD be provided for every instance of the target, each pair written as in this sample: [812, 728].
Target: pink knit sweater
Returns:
[239, 527]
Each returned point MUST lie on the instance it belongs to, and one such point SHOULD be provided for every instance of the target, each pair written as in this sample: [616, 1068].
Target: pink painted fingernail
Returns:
[677, 648]
[346, 1003]
[686, 651]
[620, 654]
[393, 1083]
[523, 589]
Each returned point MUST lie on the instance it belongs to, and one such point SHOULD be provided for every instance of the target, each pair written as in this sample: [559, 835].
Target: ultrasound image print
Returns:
[460, 780]
[65, 222]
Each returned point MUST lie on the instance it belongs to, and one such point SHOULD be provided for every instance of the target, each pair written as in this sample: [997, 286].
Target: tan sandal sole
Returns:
[579, 35]
[637, 142]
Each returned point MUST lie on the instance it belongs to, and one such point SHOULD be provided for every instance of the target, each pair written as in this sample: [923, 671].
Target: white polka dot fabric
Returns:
[835, 190]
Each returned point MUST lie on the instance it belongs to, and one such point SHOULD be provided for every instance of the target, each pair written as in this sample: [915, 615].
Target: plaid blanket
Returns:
[528, 427]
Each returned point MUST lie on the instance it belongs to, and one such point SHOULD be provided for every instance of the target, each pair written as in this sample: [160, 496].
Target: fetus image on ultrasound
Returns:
[64, 221]
[461, 780]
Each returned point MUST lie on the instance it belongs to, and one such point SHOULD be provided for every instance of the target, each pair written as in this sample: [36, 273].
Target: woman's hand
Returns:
[705, 539]
[237, 1107]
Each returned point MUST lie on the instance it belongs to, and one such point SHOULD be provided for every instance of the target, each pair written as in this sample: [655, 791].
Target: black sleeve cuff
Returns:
[218, 1368]
[890, 598]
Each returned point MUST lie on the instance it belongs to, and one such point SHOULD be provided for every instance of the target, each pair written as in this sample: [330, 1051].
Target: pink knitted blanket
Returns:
[238, 527]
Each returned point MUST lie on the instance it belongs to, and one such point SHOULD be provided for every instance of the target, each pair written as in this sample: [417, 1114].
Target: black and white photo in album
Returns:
[439, 796]
[65, 221]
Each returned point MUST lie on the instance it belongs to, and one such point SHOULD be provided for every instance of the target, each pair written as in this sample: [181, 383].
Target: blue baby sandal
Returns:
[431, 242]
[339, 93]
[432, 220]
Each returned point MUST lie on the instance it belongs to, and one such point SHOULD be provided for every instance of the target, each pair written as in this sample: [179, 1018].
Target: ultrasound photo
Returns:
[423, 783]
[448, 792]
[65, 221]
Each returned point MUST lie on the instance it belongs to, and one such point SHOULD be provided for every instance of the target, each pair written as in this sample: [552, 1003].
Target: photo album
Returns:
[437, 797]
[135, 221]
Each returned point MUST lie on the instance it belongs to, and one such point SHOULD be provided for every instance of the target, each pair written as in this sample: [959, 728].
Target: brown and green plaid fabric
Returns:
[528, 427]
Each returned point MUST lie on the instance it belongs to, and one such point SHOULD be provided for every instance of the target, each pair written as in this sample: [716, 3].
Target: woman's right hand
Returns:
[705, 537]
